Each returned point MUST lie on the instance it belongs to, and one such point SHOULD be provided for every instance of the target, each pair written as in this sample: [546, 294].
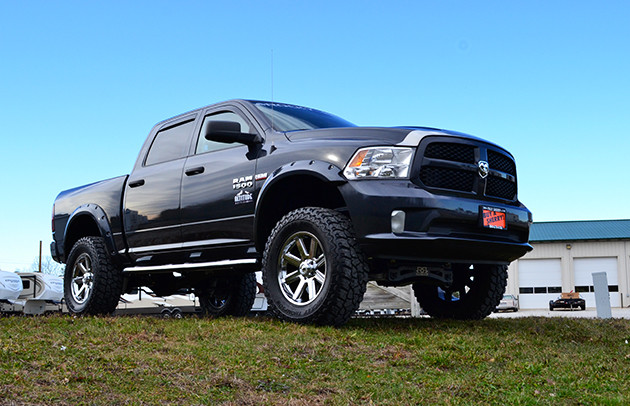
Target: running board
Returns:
[202, 266]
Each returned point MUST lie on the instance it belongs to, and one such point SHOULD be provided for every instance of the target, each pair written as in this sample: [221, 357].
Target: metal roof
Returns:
[580, 230]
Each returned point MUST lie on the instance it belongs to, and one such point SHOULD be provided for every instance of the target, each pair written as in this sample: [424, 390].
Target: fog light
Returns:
[398, 221]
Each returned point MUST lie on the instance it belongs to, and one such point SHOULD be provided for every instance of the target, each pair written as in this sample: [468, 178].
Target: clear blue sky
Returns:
[82, 83]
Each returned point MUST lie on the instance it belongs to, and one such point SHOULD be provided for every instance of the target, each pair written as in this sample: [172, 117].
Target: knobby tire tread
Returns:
[242, 293]
[487, 296]
[349, 279]
[108, 279]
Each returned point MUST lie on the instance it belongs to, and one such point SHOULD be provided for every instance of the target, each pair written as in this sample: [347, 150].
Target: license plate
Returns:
[494, 218]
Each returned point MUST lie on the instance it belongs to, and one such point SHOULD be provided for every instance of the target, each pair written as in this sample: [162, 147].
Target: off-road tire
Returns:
[330, 265]
[92, 283]
[474, 293]
[228, 296]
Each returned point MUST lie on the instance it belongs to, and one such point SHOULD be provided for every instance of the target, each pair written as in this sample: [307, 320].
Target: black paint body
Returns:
[221, 205]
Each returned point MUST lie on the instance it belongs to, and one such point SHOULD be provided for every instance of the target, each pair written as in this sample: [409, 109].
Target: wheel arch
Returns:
[88, 220]
[298, 184]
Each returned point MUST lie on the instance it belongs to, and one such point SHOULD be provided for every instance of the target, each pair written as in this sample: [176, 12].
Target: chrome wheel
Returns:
[82, 278]
[92, 284]
[301, 268]
[313, 268]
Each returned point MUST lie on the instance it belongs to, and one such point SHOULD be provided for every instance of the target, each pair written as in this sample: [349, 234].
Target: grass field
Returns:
[128, 360]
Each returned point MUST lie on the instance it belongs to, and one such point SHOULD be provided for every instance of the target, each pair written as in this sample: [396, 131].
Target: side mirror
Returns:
[229, 132]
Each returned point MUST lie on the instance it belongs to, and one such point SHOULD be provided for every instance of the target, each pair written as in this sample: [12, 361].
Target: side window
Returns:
[171, 143]
[204, 145]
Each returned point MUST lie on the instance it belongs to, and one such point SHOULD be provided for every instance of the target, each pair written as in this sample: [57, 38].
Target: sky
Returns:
[83, 82]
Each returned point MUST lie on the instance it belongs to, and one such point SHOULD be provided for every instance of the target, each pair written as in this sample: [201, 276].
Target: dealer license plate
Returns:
[494, 218]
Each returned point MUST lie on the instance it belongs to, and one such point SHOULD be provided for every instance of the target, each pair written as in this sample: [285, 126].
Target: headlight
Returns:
[379, 162]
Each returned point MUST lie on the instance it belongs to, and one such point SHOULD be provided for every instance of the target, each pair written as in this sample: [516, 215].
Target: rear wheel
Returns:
[475, 292]
[228, 296]
[313, 268]
[92, 284]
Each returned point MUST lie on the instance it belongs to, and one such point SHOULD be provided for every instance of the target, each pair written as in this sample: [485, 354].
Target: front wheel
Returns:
[92, 284]
[475, 292]
[313, 268]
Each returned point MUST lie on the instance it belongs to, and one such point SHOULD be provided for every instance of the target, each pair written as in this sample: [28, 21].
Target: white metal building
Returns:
[564, 257]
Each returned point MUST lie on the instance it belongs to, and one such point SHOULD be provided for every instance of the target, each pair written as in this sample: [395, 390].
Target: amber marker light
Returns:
[358, 159]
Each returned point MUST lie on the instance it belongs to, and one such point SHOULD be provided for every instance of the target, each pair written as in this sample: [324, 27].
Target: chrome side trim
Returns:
[188, 266]
[147, 230]
[215, 241]
[179, 245]
[197, 223]
[162, 247]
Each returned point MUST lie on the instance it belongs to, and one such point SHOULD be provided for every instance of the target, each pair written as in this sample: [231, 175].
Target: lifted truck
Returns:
[318, 204]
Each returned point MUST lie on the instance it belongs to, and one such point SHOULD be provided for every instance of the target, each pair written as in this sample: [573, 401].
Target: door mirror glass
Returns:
[222, 129]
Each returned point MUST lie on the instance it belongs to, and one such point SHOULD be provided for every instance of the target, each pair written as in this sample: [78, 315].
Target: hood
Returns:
[403, 136]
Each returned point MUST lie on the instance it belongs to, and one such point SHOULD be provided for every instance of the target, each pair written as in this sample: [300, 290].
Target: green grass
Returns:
[125, 360]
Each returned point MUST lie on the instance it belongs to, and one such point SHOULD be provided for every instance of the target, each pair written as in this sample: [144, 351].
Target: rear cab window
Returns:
[170, 143]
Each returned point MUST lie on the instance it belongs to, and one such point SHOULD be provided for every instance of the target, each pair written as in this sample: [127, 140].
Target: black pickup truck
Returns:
[317, 204]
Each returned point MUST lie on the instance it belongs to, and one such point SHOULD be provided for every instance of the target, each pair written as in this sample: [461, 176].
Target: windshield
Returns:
[287, 117]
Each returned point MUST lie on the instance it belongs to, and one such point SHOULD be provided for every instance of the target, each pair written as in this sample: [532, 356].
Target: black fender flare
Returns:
[98, 217]
[324, 171]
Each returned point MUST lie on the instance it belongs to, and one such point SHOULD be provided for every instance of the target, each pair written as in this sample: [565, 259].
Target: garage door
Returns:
[585, 267]
[540, 280]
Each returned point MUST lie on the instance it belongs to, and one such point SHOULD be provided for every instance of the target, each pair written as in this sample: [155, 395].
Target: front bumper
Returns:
[438, 228]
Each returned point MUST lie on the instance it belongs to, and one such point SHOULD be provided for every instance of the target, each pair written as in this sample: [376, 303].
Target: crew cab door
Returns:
[218, 190]
[151, 208]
